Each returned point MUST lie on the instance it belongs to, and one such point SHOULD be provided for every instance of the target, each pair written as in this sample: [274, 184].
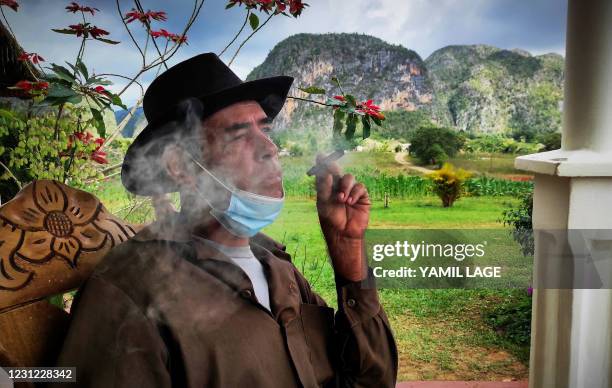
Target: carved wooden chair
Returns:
[51, 238]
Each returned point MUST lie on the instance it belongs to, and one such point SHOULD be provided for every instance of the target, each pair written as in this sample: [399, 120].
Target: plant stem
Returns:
[249, 37]
[11, 175]
[308, 100]
[246, 19]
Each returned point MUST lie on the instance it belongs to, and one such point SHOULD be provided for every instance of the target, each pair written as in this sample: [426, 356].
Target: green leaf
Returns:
[333, 102]
[62, 73]
[351, 125]
[55, 100]
[82, 68]
[97, 81]
[60, 91]
[116, 100]
[254, 21]
[351, 100]
[230, 5]
[377, 121]
[338, 122]
[98, 122]
[107, 41]
[313, 90]
[74, 99]
[64, 31]
[7, 114]
[365, 121]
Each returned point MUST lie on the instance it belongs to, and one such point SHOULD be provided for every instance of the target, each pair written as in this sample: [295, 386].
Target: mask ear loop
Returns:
[230, 189]
[197, 186]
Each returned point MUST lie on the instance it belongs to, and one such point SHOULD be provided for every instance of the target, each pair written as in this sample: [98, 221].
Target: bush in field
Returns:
[448, 183]
[434, 145]
[490, 143]
[296, 150]
[520, 219]
[551, 141]
[511, 319]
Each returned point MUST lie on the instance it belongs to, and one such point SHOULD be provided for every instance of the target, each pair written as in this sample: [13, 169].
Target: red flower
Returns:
[97, 32]
[266, 5]
[169, 35]
[35, 58]
[101, 90]
[340, 98]
[156, 15]
[178, 38]
[161, 32]
[369, 109]
[24, 85]
[74, 8]
[84, 137]
[85, 30]
[12, 4]
[280, 6]
[296, 7]
[99, 157]
[144, 17]
[79, 29]
[42, 85]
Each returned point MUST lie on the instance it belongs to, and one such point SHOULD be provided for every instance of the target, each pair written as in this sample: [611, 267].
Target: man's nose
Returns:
[266, 147]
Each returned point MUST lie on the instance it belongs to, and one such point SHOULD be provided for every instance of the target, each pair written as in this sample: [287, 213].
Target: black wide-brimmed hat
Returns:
[206, 78]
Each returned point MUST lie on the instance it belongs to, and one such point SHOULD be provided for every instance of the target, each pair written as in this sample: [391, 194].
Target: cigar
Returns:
[314, 170]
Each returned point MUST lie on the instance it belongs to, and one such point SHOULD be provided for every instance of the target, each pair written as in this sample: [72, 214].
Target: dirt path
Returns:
[400, 157]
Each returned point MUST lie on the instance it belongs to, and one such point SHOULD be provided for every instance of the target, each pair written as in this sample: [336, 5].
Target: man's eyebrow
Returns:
[237, 126]
[266, 120]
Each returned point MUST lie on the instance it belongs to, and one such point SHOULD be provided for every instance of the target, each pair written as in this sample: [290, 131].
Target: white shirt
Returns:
[245, 259]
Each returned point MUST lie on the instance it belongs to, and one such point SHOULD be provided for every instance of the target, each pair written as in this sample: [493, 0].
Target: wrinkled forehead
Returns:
[237, 113]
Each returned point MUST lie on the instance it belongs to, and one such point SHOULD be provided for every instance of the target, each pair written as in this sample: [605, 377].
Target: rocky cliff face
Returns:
[485, 89]
[474, 88]
[391, 75]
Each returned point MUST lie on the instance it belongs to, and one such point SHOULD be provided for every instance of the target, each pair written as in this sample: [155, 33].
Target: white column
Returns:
[571, 342]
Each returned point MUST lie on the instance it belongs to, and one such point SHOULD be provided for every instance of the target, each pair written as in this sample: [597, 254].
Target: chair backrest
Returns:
[51, 238]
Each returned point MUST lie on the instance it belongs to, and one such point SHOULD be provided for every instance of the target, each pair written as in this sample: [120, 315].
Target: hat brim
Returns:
[142, 172]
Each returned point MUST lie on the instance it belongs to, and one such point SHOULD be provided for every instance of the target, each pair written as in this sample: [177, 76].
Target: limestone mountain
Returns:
[474, 88]
[391, 75]
[485, 89]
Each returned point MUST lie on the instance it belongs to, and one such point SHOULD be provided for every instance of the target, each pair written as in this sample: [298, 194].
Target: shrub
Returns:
[520, 219]
[448, 183]
[511, 319]
[433, 145]
[296, 150]
[551, 141]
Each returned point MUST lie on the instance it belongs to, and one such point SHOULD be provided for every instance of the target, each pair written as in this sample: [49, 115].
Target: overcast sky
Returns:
[537, 26]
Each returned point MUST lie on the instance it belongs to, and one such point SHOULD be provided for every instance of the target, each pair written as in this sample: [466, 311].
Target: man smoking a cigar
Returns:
[202, 298]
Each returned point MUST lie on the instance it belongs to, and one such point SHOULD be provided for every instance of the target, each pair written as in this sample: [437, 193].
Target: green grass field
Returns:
[441, 334]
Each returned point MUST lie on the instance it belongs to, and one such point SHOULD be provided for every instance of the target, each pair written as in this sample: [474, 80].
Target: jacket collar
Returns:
[284, 298]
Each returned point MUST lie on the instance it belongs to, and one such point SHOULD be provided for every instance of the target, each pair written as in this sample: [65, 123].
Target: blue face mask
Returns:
[247, 212]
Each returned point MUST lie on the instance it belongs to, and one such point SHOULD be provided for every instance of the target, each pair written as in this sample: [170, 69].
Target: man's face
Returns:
[238, 149]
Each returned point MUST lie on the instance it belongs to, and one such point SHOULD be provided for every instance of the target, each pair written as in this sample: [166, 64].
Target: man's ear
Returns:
[175, 161]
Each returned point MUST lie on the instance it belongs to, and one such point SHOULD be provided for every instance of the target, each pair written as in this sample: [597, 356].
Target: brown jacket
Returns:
[163, 310]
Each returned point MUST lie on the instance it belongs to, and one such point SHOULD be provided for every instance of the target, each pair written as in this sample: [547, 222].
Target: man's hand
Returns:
[344, 210]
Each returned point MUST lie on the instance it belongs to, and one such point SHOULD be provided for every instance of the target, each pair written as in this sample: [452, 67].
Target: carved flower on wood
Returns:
[48, 220]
